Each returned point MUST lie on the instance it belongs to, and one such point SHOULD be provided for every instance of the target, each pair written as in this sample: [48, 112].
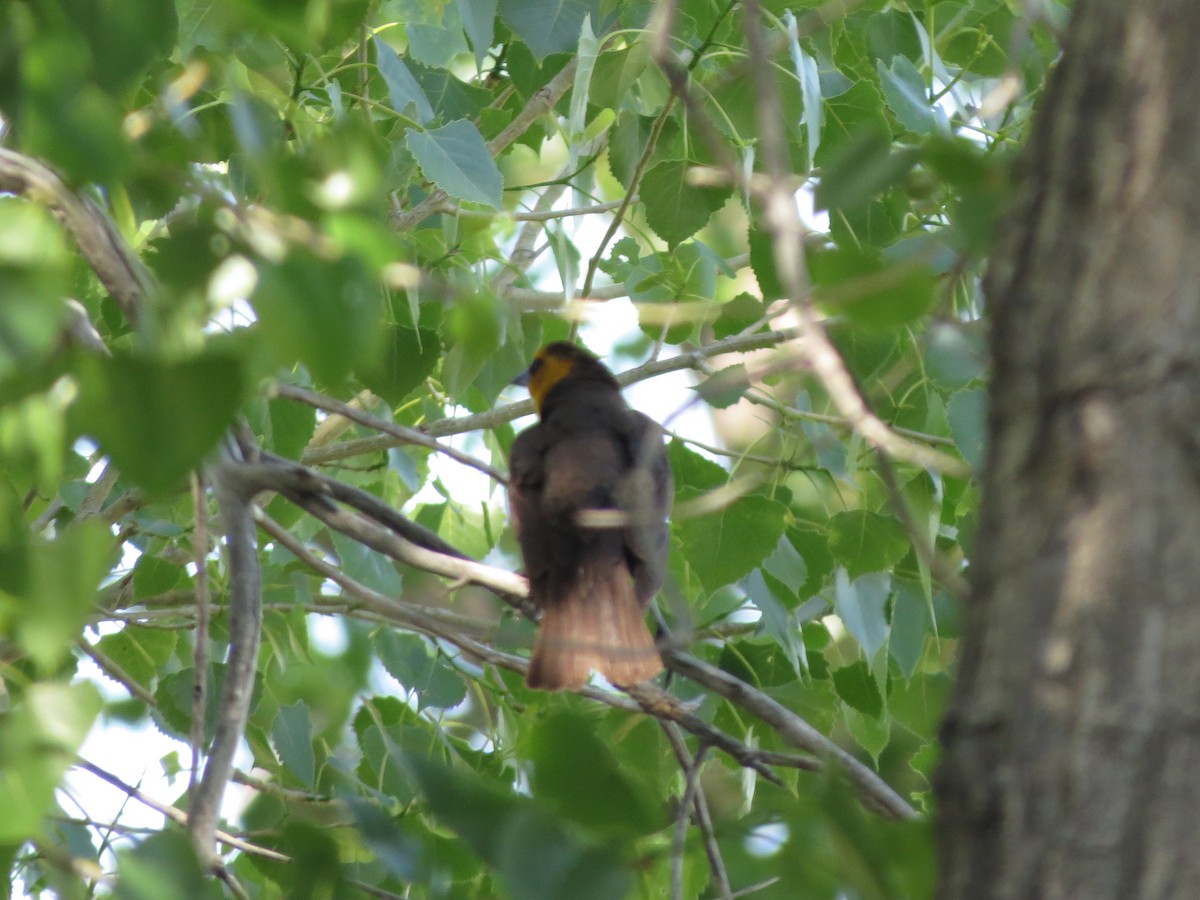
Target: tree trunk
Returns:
[1072, 747]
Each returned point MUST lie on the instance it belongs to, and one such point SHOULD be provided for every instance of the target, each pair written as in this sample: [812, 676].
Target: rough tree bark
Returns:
[1072, 747]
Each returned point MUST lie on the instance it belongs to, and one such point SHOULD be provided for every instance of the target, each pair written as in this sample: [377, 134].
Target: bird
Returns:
[590, 489]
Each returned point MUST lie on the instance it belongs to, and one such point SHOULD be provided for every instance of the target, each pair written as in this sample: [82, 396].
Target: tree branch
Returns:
[235, 494]
[118, 268]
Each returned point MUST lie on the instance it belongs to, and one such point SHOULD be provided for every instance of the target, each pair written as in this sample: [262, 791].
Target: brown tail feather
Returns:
[597, 624]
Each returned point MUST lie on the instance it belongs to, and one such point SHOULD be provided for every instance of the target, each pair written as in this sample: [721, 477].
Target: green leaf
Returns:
[967, 412]
[153, 575]
[787, 565]
[158, 419]
[857, 688]
[39, 736]
[862, 605]
[124, 38]
[911, 624]
[291, 733]
[33, 282]
[66, 573]
[773, 601]
[367, 566]
[323, 313]
[549, 27]
[599, 795]
[724, 546]
[676, 209]
[479, 21]
[870, 290]
[907, 97]
[406, 95]
[865, 541]
[408, 659]
[863, 167]
[724, 388]
[409, 356]
[456, 159]
[691, 470]
[139, 651]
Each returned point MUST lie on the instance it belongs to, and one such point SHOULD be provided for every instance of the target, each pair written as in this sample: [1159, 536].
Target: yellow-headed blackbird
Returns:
[589, 491]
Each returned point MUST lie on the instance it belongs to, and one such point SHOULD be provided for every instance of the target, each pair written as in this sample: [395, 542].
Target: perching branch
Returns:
[235, 495]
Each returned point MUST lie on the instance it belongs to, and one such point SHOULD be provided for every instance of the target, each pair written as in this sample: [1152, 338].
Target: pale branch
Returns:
[704, 821]
[295, 483]
[547, 215]
[178, 816]
[493, 418]
[524, 250]
[235, 495]
[654, 701]
[791, 728]
[782, 222]
[400, 432]
[304, 486]
[539, 104]
[115, 264]
[419, 618]
[691, 770]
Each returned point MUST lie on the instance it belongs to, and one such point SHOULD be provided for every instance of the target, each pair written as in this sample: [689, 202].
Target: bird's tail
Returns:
[596, 623]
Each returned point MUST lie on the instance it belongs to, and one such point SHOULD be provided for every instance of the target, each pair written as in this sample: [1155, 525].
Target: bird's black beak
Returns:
[522, 379]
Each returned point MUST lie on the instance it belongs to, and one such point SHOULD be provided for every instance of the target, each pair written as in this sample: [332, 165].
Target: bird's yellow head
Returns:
[555, 362]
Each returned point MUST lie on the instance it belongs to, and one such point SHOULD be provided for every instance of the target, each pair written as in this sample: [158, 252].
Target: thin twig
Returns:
[400, 432]
[200, 655]
[791, 728]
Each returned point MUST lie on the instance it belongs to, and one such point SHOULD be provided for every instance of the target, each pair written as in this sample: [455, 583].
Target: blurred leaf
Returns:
[323, 313]
[66, 573]
[536, 854]
[456, 159]
[861, 604]
[864, 541]
[870, 290]
[158, 419]
[857, 688]
[292, 737]
[163, 865]
[33, 281]
[967, 412]
[408, 659]
[40, 733]
[906, 95]
[676, 209]
[597, 794]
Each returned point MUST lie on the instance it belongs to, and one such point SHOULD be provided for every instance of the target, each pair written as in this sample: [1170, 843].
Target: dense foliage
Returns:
[391, 204]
